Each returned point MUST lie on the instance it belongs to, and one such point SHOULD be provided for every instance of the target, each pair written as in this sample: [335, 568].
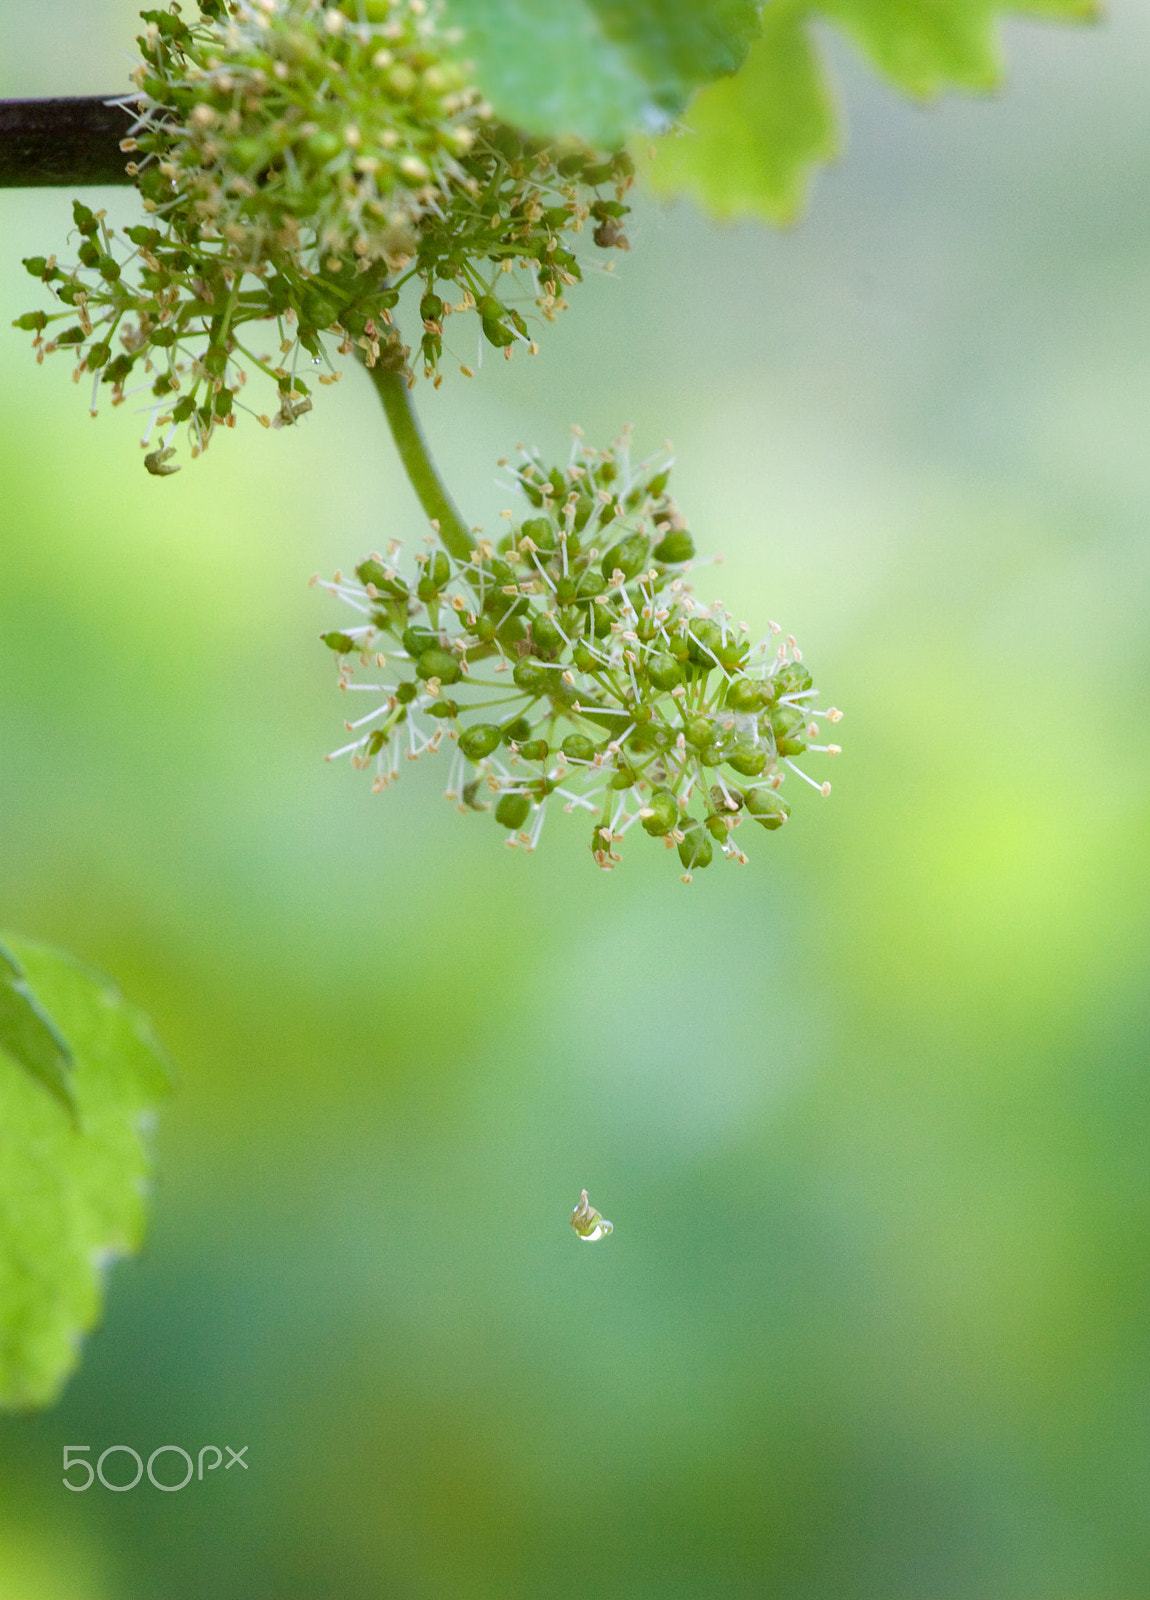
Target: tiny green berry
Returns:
[479, 740]
[766, 807]
[577, 747]
[662, 814]
[511, 811]
[695, 849]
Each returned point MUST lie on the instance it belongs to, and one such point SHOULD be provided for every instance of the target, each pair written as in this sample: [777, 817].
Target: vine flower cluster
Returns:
[571, 662]
[300, 163]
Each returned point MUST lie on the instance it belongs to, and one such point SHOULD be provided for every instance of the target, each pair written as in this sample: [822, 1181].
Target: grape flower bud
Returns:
[587, 1222]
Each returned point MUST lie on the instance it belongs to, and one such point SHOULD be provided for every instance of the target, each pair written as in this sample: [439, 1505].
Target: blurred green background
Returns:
[870, 1116]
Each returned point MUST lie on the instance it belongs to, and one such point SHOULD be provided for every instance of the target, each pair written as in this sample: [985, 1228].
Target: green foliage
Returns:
[924, 49]
[753, 141]
[28, 1034]
[597, 676]
[71, 1185]
[600, 68]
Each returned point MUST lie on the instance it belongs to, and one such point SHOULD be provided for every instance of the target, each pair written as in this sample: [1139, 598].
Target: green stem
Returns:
[391, 387]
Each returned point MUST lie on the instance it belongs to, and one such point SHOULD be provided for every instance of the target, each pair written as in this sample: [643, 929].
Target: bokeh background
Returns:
[870, 1115]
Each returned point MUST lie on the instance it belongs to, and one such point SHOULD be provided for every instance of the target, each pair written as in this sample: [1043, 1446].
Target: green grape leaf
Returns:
[924, 47]
[71, 1187]
[752, 142]
[599, 68]
[29, 1035]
